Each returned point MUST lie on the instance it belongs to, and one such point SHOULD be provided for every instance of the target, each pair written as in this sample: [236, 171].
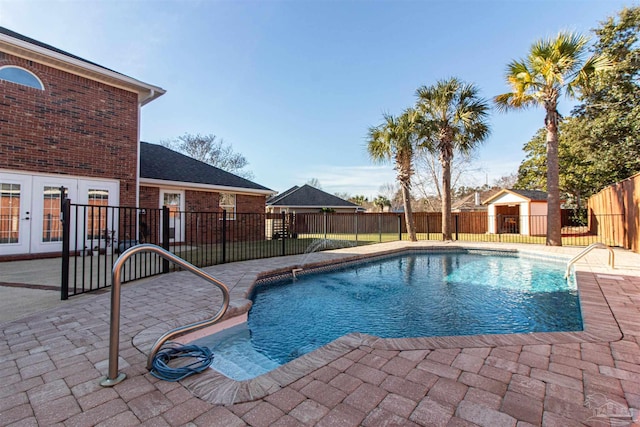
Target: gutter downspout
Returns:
[137, 202]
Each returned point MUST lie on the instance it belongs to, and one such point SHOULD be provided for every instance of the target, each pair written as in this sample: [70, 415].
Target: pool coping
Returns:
[598, 321]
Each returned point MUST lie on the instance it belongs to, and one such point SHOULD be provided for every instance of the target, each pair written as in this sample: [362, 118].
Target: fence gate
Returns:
[93, 236]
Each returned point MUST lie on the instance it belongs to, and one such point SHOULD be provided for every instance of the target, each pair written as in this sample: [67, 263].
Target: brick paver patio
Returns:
[50, 364]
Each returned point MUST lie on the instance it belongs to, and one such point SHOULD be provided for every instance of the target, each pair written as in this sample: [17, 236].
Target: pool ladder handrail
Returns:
[113, 377]
[597, 245]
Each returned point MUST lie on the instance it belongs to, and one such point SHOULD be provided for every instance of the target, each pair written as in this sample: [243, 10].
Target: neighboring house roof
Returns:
[530, 195]
[468, 202]
[279, 196]
[25, 47]
[160, 165]
[309, 197]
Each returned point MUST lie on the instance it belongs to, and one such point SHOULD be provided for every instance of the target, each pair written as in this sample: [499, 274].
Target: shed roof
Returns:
[530, 195]
[308, 197]
[161, 163]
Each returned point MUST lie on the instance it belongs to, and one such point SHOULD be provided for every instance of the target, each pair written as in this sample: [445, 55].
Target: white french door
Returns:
[101, 227]
[46, 200]
[30, 211]
[15, 213]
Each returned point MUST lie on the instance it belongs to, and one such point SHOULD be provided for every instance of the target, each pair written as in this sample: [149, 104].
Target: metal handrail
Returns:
[586, 251]
[113, 377]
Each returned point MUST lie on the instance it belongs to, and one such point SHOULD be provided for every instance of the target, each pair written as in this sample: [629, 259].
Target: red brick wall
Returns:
[150, 221]
[201, 201]
[74, 126]
[149, 197]
[207, 228]
[202, 216]
[204, 201]
[250, 204]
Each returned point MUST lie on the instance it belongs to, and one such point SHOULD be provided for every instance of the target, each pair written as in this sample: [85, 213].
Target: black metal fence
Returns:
[94, 236]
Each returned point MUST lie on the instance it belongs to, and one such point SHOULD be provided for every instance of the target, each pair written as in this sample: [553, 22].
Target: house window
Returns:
[228, 203]
[20, 76]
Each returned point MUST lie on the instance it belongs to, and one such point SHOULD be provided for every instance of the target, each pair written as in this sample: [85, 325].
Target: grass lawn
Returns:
[206, 255]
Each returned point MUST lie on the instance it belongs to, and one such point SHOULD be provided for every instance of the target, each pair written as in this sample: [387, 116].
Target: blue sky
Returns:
[294, 85]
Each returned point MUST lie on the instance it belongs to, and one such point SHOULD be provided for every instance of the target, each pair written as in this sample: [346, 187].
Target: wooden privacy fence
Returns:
[620, 203]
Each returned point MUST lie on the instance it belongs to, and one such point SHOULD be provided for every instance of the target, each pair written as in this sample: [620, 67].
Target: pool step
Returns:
[241, 361]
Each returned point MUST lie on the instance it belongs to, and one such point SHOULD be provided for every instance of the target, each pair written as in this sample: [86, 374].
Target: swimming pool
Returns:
[415, 294]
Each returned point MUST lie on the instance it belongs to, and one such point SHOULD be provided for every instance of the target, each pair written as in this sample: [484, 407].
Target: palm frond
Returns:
[583, 79]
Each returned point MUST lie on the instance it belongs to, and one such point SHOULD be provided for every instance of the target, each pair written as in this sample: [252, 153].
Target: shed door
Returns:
[508, 218]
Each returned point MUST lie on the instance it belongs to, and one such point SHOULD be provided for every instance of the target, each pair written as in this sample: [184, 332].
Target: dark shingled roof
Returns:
[535, 195]
[158, 162]
[34, 42]
[308, 196]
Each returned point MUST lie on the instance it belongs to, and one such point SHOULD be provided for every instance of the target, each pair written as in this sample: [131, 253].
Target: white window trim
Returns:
[231, 215]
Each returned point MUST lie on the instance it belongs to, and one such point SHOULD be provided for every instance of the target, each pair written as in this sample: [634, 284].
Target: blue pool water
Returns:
[416, 295]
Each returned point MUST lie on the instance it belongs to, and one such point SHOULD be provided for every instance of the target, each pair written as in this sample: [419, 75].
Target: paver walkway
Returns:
[50, 364]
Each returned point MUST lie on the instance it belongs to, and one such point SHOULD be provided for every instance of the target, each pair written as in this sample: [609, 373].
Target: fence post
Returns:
[380, 228]
[283, 233]
[324, 215]
[224, 236]
[356, 219]
[427, 219]
[456, 223]
[165, 236]
[399, 227]
[65, 216]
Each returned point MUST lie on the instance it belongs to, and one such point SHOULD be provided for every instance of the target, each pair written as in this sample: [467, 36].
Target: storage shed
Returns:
[517, 212]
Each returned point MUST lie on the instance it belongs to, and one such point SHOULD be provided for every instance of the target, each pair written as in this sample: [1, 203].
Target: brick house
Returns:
[187, 187]
[65, 122]
[68, 122]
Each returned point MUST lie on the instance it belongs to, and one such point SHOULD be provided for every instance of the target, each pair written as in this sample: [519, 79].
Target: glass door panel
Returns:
[51, 224]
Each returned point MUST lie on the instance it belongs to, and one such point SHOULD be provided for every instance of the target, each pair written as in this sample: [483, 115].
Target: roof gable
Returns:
[276, 197]
[35, 42]
[529, 195]
[25, 47]
[308, 196]
[158, 162]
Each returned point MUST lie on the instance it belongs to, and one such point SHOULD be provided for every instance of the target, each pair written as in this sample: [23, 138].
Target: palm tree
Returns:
[358, 199]
[553, 66]
[395, 140]
[381, 202]
[452, 118]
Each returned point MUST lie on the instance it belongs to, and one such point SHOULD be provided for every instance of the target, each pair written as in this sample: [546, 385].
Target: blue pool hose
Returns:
[160, 367]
